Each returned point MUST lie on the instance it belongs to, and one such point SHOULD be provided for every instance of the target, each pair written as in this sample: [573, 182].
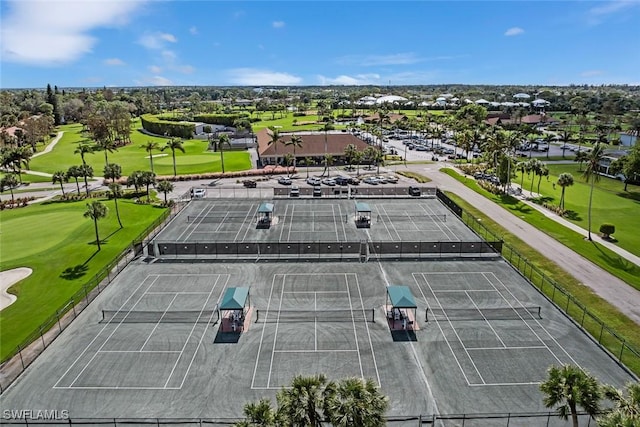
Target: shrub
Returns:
[607, 229]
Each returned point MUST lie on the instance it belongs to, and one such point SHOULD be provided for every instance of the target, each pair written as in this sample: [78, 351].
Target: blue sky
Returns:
[89, 43]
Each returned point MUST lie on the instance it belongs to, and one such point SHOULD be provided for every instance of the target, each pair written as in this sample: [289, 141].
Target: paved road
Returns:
[607, 286]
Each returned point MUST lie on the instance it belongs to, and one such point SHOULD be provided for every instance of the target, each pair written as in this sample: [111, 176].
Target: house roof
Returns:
[538, 118]
[313, 144]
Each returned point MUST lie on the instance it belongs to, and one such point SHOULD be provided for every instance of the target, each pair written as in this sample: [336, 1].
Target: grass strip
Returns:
[598, 254]
[606, 312]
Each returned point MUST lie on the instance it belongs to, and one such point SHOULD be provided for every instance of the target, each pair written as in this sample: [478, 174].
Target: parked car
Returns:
[329, 181]
[313, 181]
[284, 180]
[421, 148]
[391, 179]
[249, 183]
[354, 181]
[198, 193]
[317, 191]
[414, 191]
[371, 180]
[342, 180]
[294, 191]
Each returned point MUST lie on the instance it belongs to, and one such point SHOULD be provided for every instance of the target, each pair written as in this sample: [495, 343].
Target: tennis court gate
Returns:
[357, 250]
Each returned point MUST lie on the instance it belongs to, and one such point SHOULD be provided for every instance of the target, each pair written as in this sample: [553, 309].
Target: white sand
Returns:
[9, 278]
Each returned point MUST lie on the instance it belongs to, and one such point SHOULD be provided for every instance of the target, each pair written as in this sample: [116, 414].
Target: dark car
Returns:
[414, 191]
[341, 180]
[249, 183]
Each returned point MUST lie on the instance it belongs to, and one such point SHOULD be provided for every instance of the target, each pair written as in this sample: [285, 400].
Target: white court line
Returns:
[430, 211]
[366, 324]
[255, 369]
[195, 324]
[251, 213]
[111, 334]
[448, 291]
[138, 351]
[527, 347]
[215, 285]
[116, 388]
[343, 221]
[455, 357]
[314, 292]
[454, 331]
[535, 320]
[175, 293]
[316, 351]
[485, 319]
[194, 225]
[275, 336]
[158, 322]
[505, 384]
[353, 322]
[384, 223]
[315, 321]
[392, 223]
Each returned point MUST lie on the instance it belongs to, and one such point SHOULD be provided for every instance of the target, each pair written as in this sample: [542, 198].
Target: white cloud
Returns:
[193, 31]
[160, 81]
[612, 7]
[155, 69]
[156, 41]
[277, 24]
[359, 79]
[256, 77]
[114, 61]
[513, 31]
[169, 56]
[186, 69]
[46, 33]
[375, 60]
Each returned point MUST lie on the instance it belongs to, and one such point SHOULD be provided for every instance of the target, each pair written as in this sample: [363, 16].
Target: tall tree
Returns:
[564, 180]
[60, 177]
[113, 172]
[222, 140]
[580, 158]
[147, 179]
[107, 146]
[165, 187]
[302, 403]
[83, 149]
[354, 402]
[75, 172]
[149, 147]
[174, 144]
[259, 414]
[592, 173]
[274, 140]
[308, 161]
[569, 387]
[9, 181]
[295, 142]
[96, 210]
[626, 409]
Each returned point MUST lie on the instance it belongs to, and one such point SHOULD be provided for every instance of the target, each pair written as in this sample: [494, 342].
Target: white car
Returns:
[329, 181]
[284, 180]
[313, 181]
[198, 193]
[392, 179]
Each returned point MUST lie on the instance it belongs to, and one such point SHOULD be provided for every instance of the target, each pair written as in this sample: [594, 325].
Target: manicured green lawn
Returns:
[196, 158]
[598, 254]
[610, 203]
[29, 178]
[58, 243]
[606, 312]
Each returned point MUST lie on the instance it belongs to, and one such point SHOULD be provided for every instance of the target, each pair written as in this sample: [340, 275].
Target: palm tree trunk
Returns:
[86, 183]
[95, 224]
[62, 188]
[590, 200]
[562, 199]
[151, 160]
[77, 184]
[13, 200]
[222, 158]
[115, 201]
[173, 155]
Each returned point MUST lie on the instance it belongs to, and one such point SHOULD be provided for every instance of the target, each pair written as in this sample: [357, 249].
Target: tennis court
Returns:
[308, 220]
[484, 342]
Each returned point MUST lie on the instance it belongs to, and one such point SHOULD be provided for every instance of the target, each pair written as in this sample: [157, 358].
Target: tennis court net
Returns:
[314, 218]
[412, 217]
[507, 313]
[282, 316]
[122, 316]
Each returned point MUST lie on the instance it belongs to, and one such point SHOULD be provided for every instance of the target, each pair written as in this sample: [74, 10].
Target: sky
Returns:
[95, 43]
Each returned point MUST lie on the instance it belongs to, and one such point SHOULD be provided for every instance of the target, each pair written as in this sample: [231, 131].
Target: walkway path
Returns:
[49, 147]
[604, 284]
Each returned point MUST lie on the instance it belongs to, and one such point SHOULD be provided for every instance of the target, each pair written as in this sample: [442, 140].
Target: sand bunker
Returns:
[9, 278]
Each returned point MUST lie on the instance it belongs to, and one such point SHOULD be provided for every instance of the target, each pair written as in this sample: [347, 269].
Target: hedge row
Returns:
[217, 175]
[153, 124]
[220, 119]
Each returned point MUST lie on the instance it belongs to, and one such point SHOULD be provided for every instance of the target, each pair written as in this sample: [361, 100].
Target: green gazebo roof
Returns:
[401, 297]
[234, 299]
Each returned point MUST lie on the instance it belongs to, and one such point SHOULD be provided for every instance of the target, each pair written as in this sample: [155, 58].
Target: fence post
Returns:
[42, 338]
[58, 319]
[622, 349]
[73, 307]
[21, 359]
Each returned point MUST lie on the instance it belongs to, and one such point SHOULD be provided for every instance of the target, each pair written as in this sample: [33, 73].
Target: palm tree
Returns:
[328, 162]
[296, 142]
[96, 210]
[106, 145]
[543, 171]
[626, 410]
[302, 403]
[174, 144]
[349, 154]
[86, 171]
[275, 139]
[113, 172]
[522, 167]
[135, 179]
[83, 149]
[165, 187]
[75, 173]
[9, 181]
[591, 173]
[147, 179]
[564, 180]
[568, 387]
[354, 402]
[60, 177]
[223, 139]
[149, 147]
[308, 161]
[535, 166]
[565, 136]
[358, 156]
[259, 414]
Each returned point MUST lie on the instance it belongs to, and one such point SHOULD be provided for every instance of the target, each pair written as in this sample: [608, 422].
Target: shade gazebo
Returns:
[265, 214]
[400, 300]
[234, 307]
[363, 215]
